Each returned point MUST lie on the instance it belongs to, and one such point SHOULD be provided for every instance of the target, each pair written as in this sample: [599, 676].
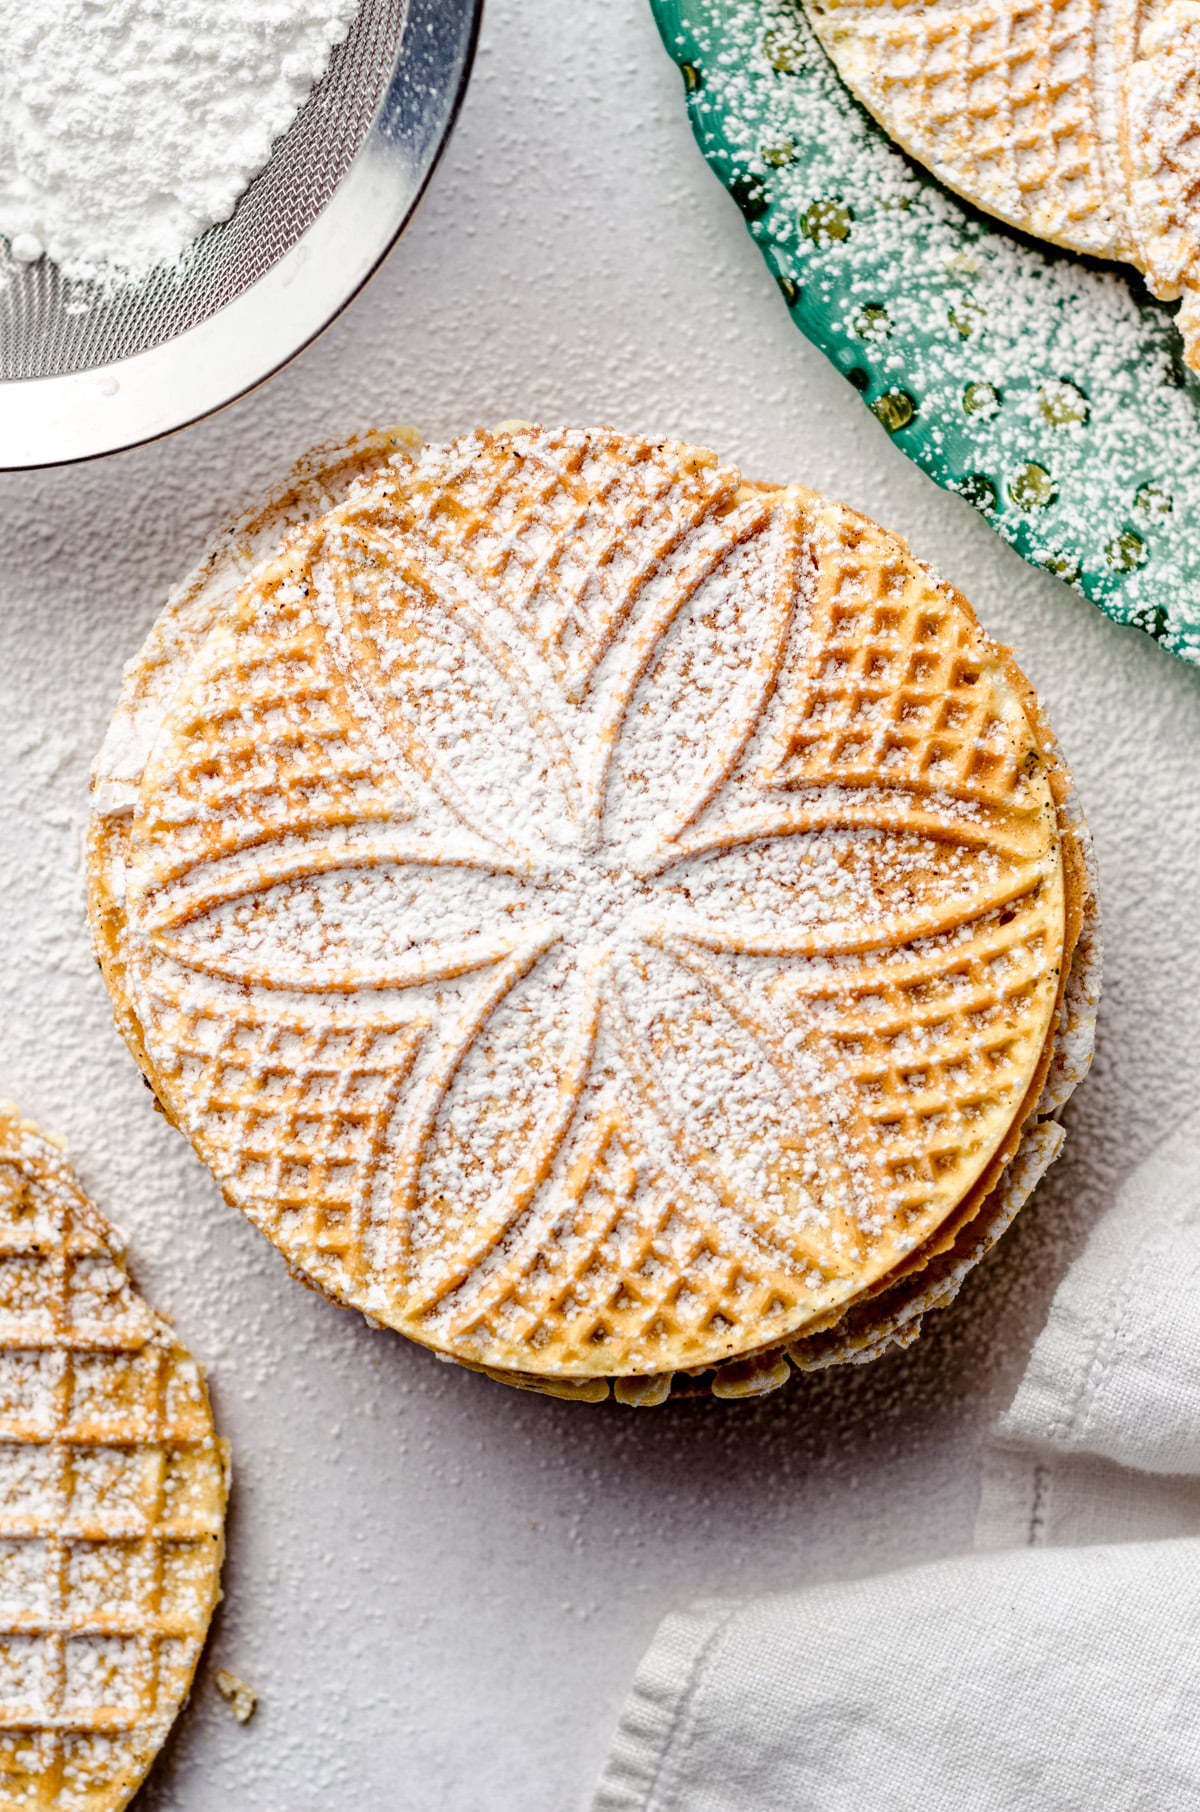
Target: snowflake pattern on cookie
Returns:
[593, 913]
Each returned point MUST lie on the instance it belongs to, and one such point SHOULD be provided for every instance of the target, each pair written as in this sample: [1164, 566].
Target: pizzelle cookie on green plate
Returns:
[617, 923]
[1072, 122]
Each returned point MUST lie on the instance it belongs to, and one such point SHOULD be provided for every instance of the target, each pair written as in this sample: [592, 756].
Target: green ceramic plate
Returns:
[1047, 389]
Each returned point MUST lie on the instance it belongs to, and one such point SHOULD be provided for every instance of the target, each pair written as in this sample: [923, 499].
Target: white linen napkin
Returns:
[1059, 1666]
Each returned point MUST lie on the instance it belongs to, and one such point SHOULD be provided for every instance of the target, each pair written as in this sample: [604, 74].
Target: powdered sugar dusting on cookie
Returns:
[590, 912]
[112, 1498]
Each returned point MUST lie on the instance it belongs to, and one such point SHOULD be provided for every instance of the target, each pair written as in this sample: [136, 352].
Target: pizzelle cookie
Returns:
[112, 1500]
[601, 917]
[1073, 120]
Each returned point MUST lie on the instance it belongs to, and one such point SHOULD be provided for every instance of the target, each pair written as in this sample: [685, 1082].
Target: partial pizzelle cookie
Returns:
[113, 1487]
[835, 865]
[1073, 120]
[1161, 131]
[323, 478]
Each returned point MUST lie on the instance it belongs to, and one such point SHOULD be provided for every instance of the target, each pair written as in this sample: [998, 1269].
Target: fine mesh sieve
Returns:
[85, 368]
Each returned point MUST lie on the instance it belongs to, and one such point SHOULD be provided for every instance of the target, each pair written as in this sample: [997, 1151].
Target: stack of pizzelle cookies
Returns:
[624, 926]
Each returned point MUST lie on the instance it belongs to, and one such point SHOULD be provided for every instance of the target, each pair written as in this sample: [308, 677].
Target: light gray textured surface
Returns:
[439, 1587]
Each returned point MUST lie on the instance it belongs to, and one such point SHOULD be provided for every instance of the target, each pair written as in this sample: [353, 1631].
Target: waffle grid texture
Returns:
[595, 914]
[112, 1498]
[1073, 120]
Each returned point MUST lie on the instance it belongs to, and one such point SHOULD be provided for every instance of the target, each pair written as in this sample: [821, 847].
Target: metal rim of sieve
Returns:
[120, 403]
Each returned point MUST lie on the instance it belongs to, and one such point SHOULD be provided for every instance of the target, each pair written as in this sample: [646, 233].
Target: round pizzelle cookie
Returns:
[1071, 121]
[113, 1487]
[599, 916]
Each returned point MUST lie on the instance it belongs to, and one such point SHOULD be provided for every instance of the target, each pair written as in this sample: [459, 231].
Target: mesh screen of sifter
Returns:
[50, 326]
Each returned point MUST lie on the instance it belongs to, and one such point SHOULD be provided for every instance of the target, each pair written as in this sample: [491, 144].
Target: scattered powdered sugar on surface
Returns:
[127, 127]
[406, 1534]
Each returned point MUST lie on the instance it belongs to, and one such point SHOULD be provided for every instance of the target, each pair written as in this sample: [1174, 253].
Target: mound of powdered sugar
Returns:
[129, 126]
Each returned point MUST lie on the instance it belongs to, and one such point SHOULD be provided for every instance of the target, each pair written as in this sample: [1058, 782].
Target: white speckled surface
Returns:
[438, 1587]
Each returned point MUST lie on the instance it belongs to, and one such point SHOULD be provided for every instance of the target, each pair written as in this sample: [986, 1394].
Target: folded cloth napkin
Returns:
[1059, 1666]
